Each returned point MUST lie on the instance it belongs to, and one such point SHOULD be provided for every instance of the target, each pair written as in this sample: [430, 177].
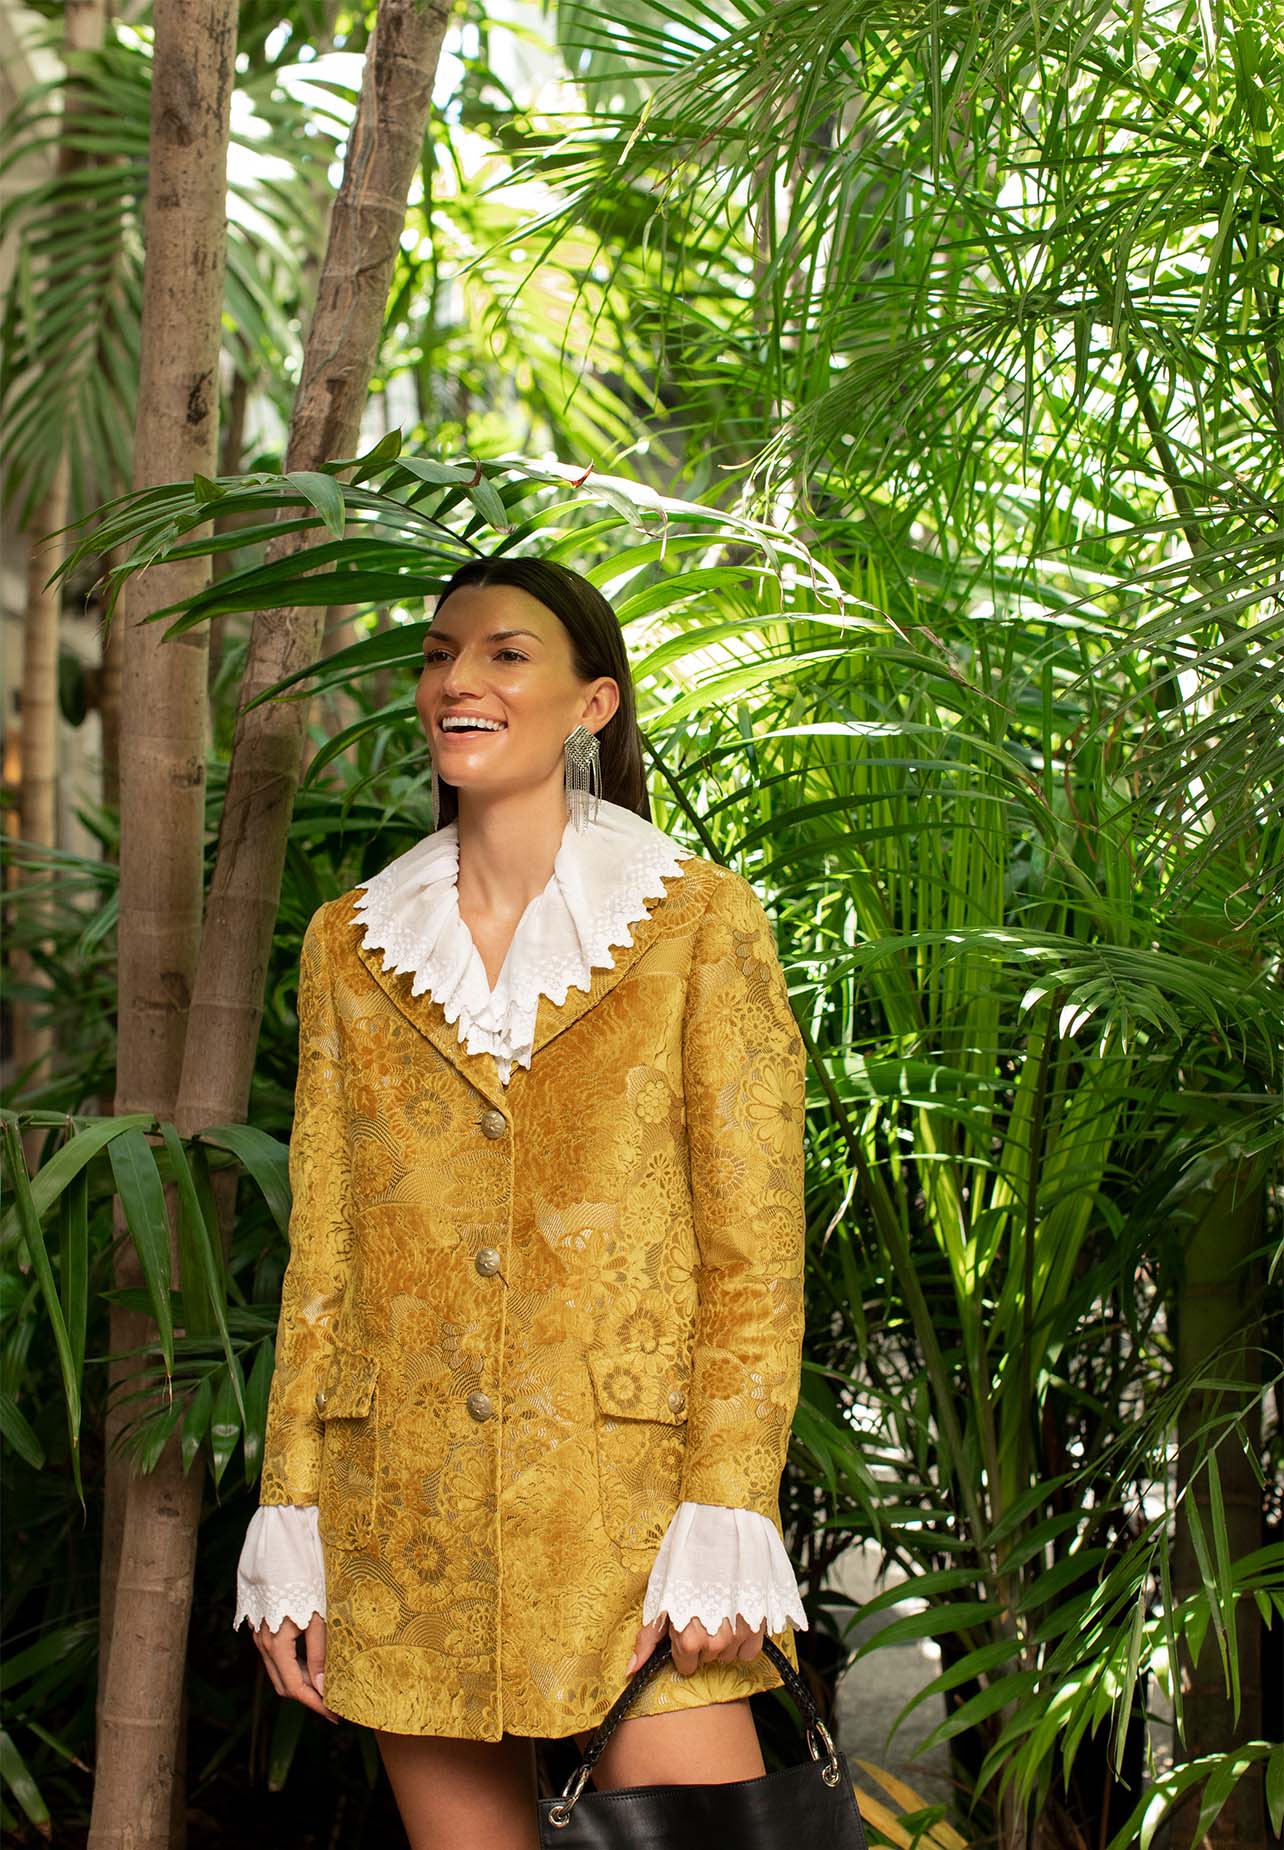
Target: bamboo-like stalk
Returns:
[1215, 1321]
[162, 1515]
[33, 1040]
[338, 708]
[82, 30]
[365, 226]
[162, 778]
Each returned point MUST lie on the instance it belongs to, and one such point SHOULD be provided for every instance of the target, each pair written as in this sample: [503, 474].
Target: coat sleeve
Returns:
[319, 1234]
[744, 1070]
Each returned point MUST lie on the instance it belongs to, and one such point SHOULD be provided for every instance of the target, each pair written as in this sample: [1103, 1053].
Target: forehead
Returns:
[474, 610]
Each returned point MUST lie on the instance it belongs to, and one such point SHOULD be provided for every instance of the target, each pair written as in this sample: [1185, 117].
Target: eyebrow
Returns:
[494, 635]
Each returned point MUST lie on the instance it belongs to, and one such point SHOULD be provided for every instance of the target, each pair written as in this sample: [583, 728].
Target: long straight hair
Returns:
[597, 648]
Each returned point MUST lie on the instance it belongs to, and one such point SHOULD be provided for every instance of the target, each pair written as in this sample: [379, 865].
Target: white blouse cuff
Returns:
[281, 1572]
[715, 1562]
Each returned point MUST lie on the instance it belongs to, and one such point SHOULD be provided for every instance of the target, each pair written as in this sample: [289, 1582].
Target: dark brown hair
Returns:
[597, 648]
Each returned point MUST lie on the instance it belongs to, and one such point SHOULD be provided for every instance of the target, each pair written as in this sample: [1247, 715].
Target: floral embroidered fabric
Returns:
[714, 1560]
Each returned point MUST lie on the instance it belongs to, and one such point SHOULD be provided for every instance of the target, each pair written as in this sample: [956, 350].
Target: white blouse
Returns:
[713, 1561]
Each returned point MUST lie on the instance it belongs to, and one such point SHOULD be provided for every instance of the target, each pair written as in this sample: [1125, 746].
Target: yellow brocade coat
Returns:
[520, 1324]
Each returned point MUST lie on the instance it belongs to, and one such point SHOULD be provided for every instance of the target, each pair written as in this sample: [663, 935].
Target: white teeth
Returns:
[471, 725]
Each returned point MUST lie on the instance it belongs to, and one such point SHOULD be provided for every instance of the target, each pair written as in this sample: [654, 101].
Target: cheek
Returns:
[534, 713]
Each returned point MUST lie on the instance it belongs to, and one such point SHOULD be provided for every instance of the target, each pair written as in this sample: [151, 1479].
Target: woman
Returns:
[541, 1328]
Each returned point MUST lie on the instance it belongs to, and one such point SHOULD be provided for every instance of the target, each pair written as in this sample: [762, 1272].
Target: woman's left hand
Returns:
[693, 1645]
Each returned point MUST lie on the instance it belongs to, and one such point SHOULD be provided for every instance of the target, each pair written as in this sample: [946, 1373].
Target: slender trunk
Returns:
[230, 462]
[340, 631]
[162, 776]
[338, 709]
[342, 347]
[383, 677]
[40, 681]
[32, 1036]
[158, 1556]
[112, 663]
[1216, 1317]
[83, 22]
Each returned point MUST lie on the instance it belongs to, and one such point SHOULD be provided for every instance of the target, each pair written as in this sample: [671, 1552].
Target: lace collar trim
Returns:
[599, 887]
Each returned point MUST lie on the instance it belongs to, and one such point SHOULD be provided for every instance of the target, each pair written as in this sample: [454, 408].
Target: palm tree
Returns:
[987, 307]
[1021, 335]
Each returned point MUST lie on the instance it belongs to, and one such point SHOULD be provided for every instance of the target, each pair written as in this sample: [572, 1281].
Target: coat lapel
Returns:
[426, 1014]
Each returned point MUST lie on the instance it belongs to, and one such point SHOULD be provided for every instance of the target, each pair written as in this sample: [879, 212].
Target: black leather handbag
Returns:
[812, 1804]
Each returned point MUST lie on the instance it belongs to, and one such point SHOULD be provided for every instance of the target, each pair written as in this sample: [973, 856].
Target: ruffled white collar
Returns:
[599, 887]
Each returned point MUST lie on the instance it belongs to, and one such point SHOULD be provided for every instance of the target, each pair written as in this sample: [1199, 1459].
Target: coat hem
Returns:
[701, 1689]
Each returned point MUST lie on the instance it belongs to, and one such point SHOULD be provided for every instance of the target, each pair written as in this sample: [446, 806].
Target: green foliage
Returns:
[1023, 1070]
[985, 304]
[69, 345]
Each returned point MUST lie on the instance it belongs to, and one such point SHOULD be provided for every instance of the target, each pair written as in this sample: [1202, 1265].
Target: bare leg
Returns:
[463, 1795]
[683, 1747]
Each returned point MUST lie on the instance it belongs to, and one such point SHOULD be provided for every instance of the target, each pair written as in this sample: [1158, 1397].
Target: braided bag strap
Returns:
[656, 1662]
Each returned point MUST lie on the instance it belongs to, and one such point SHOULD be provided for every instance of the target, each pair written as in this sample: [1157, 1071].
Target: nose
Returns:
[457, 679]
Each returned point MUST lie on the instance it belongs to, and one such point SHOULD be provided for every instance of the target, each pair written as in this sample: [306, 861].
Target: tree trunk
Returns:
[338, 709]
[83, 22]
[154, 1600]
[343, 343]
[112, 662]
[231, 459]
[383, 679]
[162, 779]
[1217, 1307]
[33, 1039]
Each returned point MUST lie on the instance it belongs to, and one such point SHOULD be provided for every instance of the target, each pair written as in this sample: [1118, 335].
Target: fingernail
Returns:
[631, 1663]
[319, 1680]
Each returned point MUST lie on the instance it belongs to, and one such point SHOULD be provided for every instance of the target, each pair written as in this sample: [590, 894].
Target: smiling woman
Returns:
[485, 678]
[541, 1331]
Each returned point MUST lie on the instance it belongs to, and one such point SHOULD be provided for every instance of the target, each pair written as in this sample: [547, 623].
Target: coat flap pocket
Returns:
[349, 1386]
[638, 1387]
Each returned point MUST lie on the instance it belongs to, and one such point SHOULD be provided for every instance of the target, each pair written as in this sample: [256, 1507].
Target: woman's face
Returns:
[496, 653]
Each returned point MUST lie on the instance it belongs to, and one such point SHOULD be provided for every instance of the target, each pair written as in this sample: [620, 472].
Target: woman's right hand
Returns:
[301, 1678]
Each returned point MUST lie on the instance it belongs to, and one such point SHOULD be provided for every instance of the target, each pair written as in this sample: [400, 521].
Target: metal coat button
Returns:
[320, 1400]
[487, 1260]
[493, 1122]
[677, 1400]
[479, 1405]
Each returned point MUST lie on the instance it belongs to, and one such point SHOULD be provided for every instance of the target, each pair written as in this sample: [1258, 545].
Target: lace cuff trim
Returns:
[281, 1572]
[715, 1562]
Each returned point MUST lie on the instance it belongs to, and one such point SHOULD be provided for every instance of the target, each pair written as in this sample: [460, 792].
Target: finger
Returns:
[750, 1643]
[746, 1637]
[693, 1645]
[728, 1644]
[298, 1685]
[272, 1676]
[263, 1639]
[282, 1653]
[647, 1638]
[314, 1648]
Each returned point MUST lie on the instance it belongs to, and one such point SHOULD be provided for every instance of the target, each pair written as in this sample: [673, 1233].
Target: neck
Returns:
[507, 847]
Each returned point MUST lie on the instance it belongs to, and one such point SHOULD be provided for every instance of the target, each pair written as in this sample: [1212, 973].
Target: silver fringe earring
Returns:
[582, 761]
[436, 798]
